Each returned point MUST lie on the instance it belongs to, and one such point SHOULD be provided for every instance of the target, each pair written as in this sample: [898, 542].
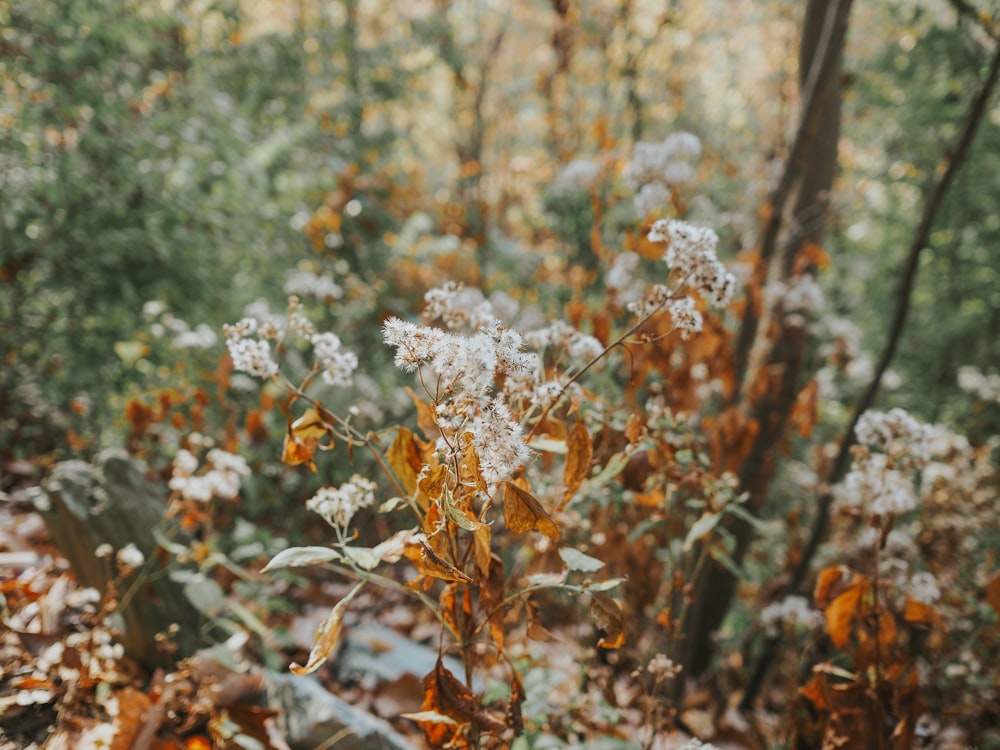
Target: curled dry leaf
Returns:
[327, 636]
[303, 437]
[430, 563]
[578, 457]
[522, 512]
[606, 614]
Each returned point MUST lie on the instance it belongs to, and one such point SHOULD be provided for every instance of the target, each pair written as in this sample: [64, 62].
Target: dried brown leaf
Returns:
[522, 512]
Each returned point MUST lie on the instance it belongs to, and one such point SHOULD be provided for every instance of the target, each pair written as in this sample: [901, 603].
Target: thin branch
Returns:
[953, 163]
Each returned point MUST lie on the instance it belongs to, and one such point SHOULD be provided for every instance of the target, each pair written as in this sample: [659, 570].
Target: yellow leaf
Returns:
[303, 438]
[578, 457]
[327, 636]
[404, 459]
[522, 512]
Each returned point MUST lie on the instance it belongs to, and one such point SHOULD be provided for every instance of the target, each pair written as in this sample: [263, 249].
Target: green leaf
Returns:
[702, 527]
[297, 557]
[611, 583]
[576, 560]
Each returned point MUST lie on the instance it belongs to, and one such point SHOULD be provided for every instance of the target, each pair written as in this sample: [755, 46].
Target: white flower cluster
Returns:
[985, 387]
[923, 587]
[581, 347]
[337, 364]
[691, 253]
[668, 162]
[338, 505]
[577, 176]
[466, 369]
[882, 482]
[796, 298]
[794, 610]
[311, 284]
[458, 307]
[253, 355]
[130, 557]
[897, 434]
[249, 355]
[220, 480]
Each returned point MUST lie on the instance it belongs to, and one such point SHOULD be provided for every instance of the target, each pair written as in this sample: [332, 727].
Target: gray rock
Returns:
[311, 716]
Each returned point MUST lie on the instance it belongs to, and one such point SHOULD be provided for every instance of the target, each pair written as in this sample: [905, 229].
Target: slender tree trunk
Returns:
[773, 348]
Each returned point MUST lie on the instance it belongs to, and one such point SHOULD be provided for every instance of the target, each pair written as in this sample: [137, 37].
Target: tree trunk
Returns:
[772, 363]
[110, 503]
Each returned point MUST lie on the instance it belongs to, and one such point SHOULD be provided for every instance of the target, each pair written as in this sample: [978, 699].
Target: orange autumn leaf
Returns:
[606, 614]
[429, 563]
[303, 438]
[825, 583]
[404, 460]
[841, 613]
[446, 696]
[426, 420]
[921, 612]
[579, 453]
[522, 512]
[815, 691]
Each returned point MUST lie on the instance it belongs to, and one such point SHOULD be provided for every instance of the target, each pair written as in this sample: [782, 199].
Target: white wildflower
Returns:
[415, 345]
[310, 284]
[691, 254]
[897, 434]
[577, 176]
[458, 307]
[337, 364]
[686, 318]
[129, 557]
[923, 587]
[338, 505]
[652, 197]
[202, 337]
[499, 444]
[622, 270]
[793, 610]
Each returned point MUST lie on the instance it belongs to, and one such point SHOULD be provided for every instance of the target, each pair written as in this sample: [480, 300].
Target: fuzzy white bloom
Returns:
[657, 296]
[686, 318]
[897, 434]
[337, 364]
[226, 461]
[668, 161]
[691, 254]
[577, 176]
[338, 505]
[458, 307]
[985, 387]
[651, 197]
[558, 334]
[796, 297]
[415, 345]
[924, 588]
[221, 479]
[202, 337]
[129, 557]
[622, 270]
[250, 356]
[499, 444]
[882, 491]
[661, 667]
[794, 610]
[310, 284]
